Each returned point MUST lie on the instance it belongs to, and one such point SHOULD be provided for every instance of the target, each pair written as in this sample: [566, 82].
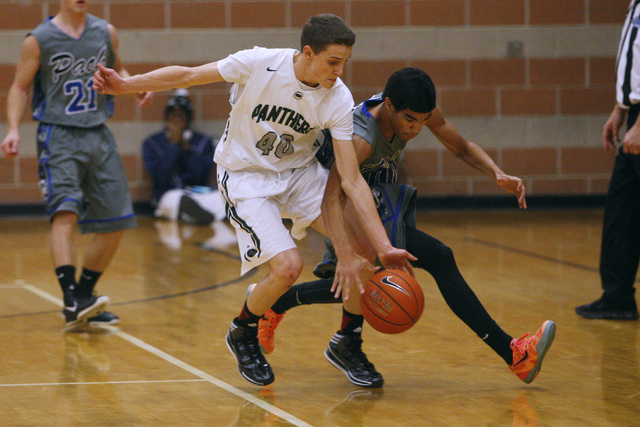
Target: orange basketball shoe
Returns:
[529, 352]
[267, 329]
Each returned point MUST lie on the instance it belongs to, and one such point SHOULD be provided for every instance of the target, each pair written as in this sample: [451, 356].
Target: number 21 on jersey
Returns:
[83, 97]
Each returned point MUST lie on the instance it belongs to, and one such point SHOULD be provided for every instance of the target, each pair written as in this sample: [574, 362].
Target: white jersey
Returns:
[275, 118]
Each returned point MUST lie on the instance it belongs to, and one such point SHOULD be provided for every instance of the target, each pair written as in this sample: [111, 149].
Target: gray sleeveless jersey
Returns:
[396, 203]
[381, 166]
[63, 92]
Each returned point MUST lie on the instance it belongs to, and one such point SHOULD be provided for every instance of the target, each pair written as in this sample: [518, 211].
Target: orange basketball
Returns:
[392, 301]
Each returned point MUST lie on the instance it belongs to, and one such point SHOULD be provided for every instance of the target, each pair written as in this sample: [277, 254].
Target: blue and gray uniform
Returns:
[395, 202]
[396, 205]
[79, 167]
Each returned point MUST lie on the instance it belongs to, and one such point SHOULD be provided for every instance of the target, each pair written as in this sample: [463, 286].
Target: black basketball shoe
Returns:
[243, 344]
[82, 309]
[345, 353]
[604, 309]
[104, 319]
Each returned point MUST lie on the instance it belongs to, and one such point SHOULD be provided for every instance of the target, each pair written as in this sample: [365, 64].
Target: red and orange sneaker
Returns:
[267, 329]
[529, 352]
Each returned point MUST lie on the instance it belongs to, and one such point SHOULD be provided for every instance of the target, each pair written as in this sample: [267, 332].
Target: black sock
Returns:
[88, 280]
[316, 292]
[351, 323]
[66, 275]
[247, 319]
[499, 341]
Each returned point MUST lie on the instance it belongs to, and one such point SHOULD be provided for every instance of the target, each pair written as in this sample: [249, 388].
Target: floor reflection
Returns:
[173, 234]
[620, 393]
[354, 407]
[251, 415]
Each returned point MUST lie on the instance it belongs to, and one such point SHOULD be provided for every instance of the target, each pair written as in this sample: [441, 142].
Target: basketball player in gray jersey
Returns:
[81, 174]
[382, 127]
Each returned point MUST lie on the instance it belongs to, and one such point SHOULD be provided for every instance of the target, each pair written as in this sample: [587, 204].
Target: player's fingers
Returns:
[370, 270]
[345, 293]
[522, 201]
[98, 78]
[409, 269]
[334, 284]
[98, 85]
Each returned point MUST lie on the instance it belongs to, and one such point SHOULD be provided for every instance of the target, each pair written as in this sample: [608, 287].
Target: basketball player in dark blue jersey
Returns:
[81, 174]
[382, 127]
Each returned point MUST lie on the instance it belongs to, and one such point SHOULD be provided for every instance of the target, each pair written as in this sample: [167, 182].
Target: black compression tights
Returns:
[437, 259]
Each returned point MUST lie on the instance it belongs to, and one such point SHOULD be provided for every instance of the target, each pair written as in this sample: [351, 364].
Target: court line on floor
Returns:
[103, 382]
[534, 255]
[183, 365]
[18, 284]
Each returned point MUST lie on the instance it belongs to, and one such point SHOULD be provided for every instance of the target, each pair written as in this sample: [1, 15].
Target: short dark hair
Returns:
[180, 103]
[325, 29]
[411, 88]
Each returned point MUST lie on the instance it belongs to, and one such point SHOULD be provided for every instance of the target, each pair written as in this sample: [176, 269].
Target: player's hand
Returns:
[107, 81]
[144, 98]
[398, 259]
[348, 275]
[514, 185]
[10, 145]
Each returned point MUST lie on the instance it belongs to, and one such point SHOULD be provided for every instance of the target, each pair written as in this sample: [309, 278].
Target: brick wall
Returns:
[531, 81]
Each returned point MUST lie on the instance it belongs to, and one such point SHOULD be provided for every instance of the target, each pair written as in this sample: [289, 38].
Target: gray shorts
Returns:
[81, 171]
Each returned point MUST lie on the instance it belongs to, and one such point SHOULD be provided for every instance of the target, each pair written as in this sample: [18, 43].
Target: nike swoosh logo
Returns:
[523, 359]
[60, 276]
[269, 69]
[74, 307]
[387, 281]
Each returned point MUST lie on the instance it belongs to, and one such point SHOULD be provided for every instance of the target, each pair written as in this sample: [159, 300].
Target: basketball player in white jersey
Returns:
[281, 100]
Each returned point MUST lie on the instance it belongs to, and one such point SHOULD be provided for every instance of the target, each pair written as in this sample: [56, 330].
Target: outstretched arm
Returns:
[474, 155]
[108, 81]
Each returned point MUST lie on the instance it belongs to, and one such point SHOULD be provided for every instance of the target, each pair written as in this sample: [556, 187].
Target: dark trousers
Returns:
[620, 251]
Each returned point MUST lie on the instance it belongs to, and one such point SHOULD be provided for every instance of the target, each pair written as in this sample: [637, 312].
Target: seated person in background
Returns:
[180, 163]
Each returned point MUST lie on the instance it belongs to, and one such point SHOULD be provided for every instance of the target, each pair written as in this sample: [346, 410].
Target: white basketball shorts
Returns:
[259, 200]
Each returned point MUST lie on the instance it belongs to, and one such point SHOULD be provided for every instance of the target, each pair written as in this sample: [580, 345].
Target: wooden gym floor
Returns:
[176, 289]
